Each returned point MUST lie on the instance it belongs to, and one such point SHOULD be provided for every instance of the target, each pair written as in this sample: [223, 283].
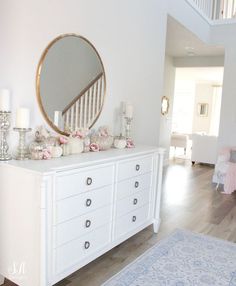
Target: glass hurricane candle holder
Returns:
[128, 121]
[4, 128]
[22, 152]
[37, 147]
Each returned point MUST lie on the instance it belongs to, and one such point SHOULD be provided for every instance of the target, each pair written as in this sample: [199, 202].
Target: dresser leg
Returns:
[156, 225]
[1, 280]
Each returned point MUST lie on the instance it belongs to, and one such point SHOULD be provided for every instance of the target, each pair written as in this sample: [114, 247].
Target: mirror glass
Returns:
[70, 84]
[164, 105]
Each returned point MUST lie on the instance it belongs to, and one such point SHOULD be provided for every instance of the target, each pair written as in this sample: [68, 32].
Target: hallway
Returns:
[190, 201]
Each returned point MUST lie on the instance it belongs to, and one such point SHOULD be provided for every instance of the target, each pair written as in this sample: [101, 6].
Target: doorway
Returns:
[196, 107]
[193, 80]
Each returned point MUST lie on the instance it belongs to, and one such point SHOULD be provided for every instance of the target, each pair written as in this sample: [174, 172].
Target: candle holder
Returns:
[22, 150]
[128, 121]
[4, 128]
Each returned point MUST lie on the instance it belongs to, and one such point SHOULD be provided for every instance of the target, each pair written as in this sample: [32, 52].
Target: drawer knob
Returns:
[87, 223]
[136, 184]
[137, 167]
[135, 201]
[89, 181]
[88, 202]
[86, 244]
[134, 218]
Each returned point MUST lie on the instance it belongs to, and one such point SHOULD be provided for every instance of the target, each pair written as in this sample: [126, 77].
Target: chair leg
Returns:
[220, 177]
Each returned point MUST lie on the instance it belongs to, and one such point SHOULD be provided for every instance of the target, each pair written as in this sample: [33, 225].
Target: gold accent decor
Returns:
[96, 89]
[165, 104]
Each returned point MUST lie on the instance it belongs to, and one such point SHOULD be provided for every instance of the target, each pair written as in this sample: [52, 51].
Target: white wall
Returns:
[168, 90]
[215, 61]
[227, 136]
[193, 86]
[129, 35]
[183, 12]
[203, 94]
[225, 35]
[183, 109]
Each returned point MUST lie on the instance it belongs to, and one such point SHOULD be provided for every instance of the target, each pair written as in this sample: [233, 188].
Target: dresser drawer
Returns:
[84, 203]
[130, 186]
[135, 167]
[73, 252]
[82, 225]
[132, 202]
[130, 221]
[69, 184]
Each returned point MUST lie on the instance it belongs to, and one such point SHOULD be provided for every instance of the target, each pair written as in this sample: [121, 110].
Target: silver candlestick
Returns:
[4, 128]
[22, 150]
[128, 121]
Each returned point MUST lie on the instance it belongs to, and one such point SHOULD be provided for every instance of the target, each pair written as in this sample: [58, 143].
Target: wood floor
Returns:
[189, 201]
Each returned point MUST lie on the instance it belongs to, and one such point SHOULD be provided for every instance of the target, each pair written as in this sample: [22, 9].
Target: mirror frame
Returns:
[38, 76]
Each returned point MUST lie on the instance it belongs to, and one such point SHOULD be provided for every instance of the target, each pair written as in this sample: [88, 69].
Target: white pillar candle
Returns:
[123, 106]
[57, 118]
[129, 111]
[4, 100]
[22, 117]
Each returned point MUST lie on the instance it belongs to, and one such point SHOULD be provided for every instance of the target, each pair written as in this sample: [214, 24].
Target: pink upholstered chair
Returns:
[225, 170]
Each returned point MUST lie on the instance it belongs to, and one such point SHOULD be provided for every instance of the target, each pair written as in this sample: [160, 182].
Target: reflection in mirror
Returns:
[70, 84]
[164, 105]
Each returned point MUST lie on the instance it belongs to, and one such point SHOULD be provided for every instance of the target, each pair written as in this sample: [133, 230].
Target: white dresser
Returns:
[56, 216]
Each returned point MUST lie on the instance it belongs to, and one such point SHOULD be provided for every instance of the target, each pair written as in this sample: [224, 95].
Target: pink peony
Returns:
[130, 143]
[47, 154]
[94, 147]
[63, 140]
[80, 133]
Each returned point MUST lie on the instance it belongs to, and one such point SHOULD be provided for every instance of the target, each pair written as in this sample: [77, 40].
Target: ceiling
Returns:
[180, 42]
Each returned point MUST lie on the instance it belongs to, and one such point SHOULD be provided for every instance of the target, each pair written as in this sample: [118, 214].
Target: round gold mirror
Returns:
[165, 105]
[70, 84]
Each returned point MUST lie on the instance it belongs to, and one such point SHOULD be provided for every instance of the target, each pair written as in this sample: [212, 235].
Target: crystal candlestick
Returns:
[4, 128]
[128, 121]
[22, 150]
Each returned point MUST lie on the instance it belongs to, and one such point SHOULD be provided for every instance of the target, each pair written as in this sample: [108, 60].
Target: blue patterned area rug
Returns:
[182, 259]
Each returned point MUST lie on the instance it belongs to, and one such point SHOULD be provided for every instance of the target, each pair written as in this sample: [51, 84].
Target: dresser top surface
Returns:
[82, 160]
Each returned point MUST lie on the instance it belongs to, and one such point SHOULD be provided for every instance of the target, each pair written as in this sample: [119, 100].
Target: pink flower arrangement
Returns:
[94, 147]
[63, 140]
[130, 143]
[80, 133]
[46, 154]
